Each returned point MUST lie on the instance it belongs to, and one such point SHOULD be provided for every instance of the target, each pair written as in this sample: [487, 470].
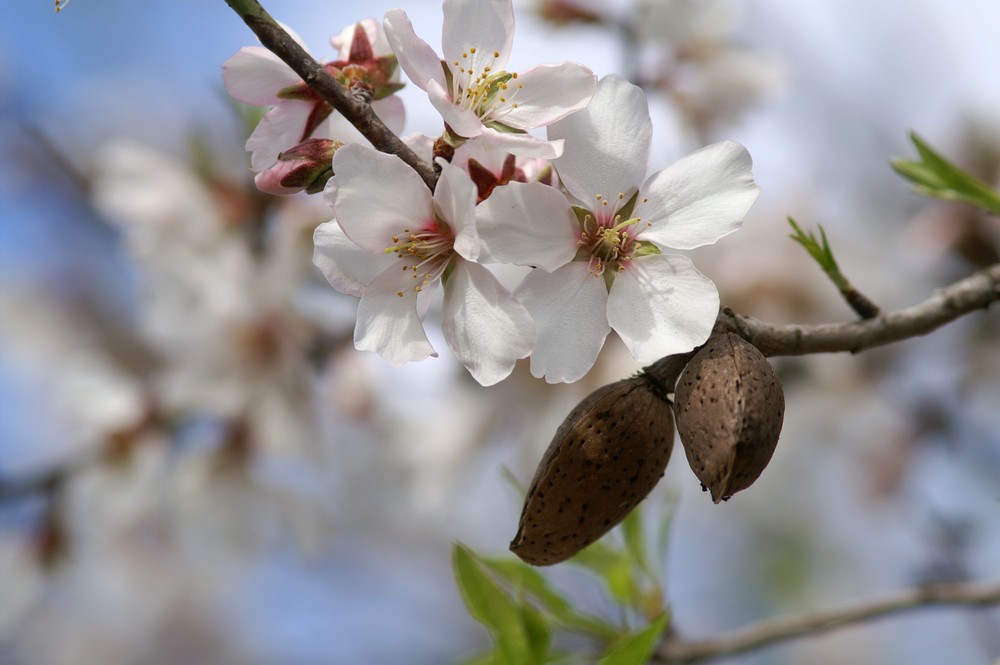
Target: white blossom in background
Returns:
[469, 86]
[392, 247]
[599, 258]
[256, 76]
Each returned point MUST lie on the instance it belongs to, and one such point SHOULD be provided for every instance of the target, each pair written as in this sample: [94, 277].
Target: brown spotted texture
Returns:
[604, 459]
[729, 407]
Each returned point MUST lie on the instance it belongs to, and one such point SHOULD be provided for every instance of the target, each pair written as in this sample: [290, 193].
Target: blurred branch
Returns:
[975, 292]
[357, 111]
[676, 650]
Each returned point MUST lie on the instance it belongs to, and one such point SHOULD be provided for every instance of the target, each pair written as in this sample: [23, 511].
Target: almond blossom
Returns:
[599, 260]
[469, 87]
[393, 249]
[256, 76]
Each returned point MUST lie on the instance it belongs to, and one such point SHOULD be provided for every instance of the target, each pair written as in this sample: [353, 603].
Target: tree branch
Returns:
[676, 650]
[977, 291]
[358, 112]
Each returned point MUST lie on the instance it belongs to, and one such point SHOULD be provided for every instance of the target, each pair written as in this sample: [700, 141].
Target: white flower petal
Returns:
[528, 224]
[486, 25]
[607, 143]
[255, 75]
[699, 198]
[569, 307]
[378, 196]
[494, 146]
[455, 203]
[548, 93]
[461, 120]
[415, 56]
[661, 305]
[280, 129]
[486, 328]
[345, 39]
[388, 323]
[346, 266]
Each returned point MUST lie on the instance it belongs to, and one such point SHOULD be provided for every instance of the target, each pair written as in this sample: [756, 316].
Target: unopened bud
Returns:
[607, 455]
[306, 167]
[729, 406]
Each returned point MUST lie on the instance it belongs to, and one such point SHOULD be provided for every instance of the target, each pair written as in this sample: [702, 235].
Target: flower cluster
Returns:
[574, 209]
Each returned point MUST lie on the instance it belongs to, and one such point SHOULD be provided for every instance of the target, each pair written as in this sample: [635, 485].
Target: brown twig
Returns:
[357, 111]
[676, 650]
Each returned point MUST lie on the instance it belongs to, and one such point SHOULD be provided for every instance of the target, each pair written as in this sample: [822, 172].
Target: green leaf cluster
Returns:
[522, 611]
[935, 176]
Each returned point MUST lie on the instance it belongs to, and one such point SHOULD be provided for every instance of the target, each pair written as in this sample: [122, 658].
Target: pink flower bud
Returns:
[306, 166]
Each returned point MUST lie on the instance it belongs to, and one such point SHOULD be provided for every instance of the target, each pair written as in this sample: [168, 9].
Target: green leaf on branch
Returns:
[527, 580]
[820, 250]
[636, 648]
[937, 177]
[519, 633]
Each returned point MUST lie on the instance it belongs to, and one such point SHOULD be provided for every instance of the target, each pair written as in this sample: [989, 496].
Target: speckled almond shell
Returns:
[729, 406]
[604, 459]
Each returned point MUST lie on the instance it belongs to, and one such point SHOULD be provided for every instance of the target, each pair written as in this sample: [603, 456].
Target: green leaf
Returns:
[635, 541]
[614, 567]
[636, 649]
[519, 633]
[524, 578]
[937, 177]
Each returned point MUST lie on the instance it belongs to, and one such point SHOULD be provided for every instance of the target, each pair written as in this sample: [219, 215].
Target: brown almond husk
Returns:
[604, 459]
[729, 406]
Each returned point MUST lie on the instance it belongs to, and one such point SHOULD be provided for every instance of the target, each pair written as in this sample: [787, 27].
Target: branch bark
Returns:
[358, 112]
[978, 291]
[676, 650]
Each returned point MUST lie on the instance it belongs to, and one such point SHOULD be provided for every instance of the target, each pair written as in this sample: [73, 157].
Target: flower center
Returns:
[475, 86]
[608, 238]
[426, 253]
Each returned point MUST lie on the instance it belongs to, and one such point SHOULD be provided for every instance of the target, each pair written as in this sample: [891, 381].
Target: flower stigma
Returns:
[426, 253]
[476, 87]
[608, 240]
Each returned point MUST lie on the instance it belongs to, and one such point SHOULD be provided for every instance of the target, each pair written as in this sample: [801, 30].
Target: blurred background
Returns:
[197, 466]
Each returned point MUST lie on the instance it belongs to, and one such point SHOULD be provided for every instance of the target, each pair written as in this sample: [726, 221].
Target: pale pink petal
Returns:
[388, 323]
[569, 309]
[547, 93]
[255, 75]
[490, 149]
[391, 111]
[607, 143]
[661, 305]
[343, 41]
[699, 198]
[528, 224]
[378, 196]
[461, 120]
[415, 56]
[346, 266]
[486, 328]
[455, 203]
[280, 129]
[484, 25]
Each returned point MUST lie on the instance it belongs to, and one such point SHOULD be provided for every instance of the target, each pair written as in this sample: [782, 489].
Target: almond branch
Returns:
[676, 650]
[356, 110]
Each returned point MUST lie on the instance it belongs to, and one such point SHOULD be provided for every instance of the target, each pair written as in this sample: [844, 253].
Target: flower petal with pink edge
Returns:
[484, 25]
[280, 128]
[455, 203]
[415, 56]
[569, 309]
[461, 120]
[528, 224]
[346, 266]
[343, 41]
[388, 323]
[485, 327]
[255, 75]
[377, 197]
[699, 198]
[548, 93]
[491, 148]
[661, 305]
[607, 143]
